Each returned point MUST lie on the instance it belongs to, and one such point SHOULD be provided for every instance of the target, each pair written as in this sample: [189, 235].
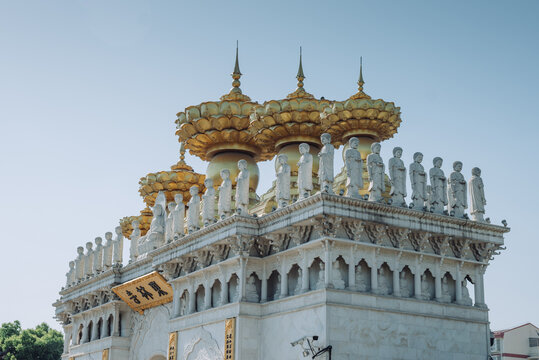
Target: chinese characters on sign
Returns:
[230, 334]
[145, 292]
[172, 344]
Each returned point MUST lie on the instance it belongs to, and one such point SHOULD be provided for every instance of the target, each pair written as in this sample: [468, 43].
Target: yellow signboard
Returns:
[172, 344]
[145, 292]
[105, 355]
[230, 337]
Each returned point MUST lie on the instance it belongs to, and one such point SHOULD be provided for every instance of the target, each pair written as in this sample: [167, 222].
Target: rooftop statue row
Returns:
[166, 227]
[96, 260]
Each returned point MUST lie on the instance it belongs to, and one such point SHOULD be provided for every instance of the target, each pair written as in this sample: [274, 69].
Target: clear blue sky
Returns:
[89, 91]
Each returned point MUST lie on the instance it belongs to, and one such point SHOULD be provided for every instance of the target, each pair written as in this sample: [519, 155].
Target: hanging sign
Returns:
[145, 292]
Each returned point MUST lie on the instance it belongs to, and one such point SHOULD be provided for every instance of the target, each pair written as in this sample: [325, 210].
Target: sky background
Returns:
[89, 91]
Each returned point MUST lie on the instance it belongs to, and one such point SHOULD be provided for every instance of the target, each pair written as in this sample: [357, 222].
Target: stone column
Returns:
[396, 282]
[479, 290]
[374, 277]
[458, 287]
[84, 335]
[67, 331]
[176, 300]
[284, 280]
[329, 264]
[224, 292]
[264, 288]
[192, 298]
[438, 285]
[417, 284]
[352, 270]
[305, 274]
[207, 295]
[116, 326]
[241, 284]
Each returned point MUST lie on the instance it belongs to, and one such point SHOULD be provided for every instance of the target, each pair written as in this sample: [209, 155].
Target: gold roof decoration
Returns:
[176, 181]
[360, 116]
[216, 126]
[300, 91]
[294, 119]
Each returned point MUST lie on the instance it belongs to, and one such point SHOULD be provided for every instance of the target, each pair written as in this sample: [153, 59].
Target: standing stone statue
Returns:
[438, 183]
[305, 172]
[107, 251]
[118, 245]
[208, 203]
[321, 282]
[70, 276]
[297, 288]
[282, 184]
[135, 236]
[277, 292]
[354, 169]
[194, 210]
[457, 191]
[337, 281]
[325, 164]
[361, 278]
[375, 167]
[178, 215]
[477, 196]
[466, 299]
[250, 290]
[225, 195]
[425, 288]
[403, 285]
[156, 233]
[98, 256]
[418, 178]
[242, 188]
[79, 264]
[397, 174]
[383, 282]
[169, 222]
[446, 294]
[88, 260]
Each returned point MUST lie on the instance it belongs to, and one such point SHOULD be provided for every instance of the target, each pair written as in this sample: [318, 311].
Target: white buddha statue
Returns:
[224, 202]
[305, 172]
[397, 174]
[477, 196]
[354, 169]
[376, 167]
[325, 164]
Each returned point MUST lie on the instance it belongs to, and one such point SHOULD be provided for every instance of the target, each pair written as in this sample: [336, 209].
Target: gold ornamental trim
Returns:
[172, 346]
[230, 338]
[105, 355]
[145, 292]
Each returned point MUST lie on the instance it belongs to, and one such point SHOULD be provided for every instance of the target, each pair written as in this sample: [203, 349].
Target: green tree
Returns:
[41, 343]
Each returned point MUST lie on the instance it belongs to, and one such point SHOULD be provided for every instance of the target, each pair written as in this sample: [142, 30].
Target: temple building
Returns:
[327, 264]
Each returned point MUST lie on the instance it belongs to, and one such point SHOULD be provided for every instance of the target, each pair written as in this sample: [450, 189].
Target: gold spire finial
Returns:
[235, 93]
[181, 164]
[360, 82]
[360, 94]
[300, 91]
[237, 64]
[300, 76]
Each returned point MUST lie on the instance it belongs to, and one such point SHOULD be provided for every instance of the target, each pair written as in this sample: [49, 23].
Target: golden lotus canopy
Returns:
[362, 117]
[279, 126]
[176, 181]
[218, 131]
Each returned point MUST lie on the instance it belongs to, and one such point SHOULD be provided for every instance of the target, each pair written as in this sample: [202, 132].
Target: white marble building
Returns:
[371, 279]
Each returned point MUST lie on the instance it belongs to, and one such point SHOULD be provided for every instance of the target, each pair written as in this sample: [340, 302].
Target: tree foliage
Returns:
[41, 343]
